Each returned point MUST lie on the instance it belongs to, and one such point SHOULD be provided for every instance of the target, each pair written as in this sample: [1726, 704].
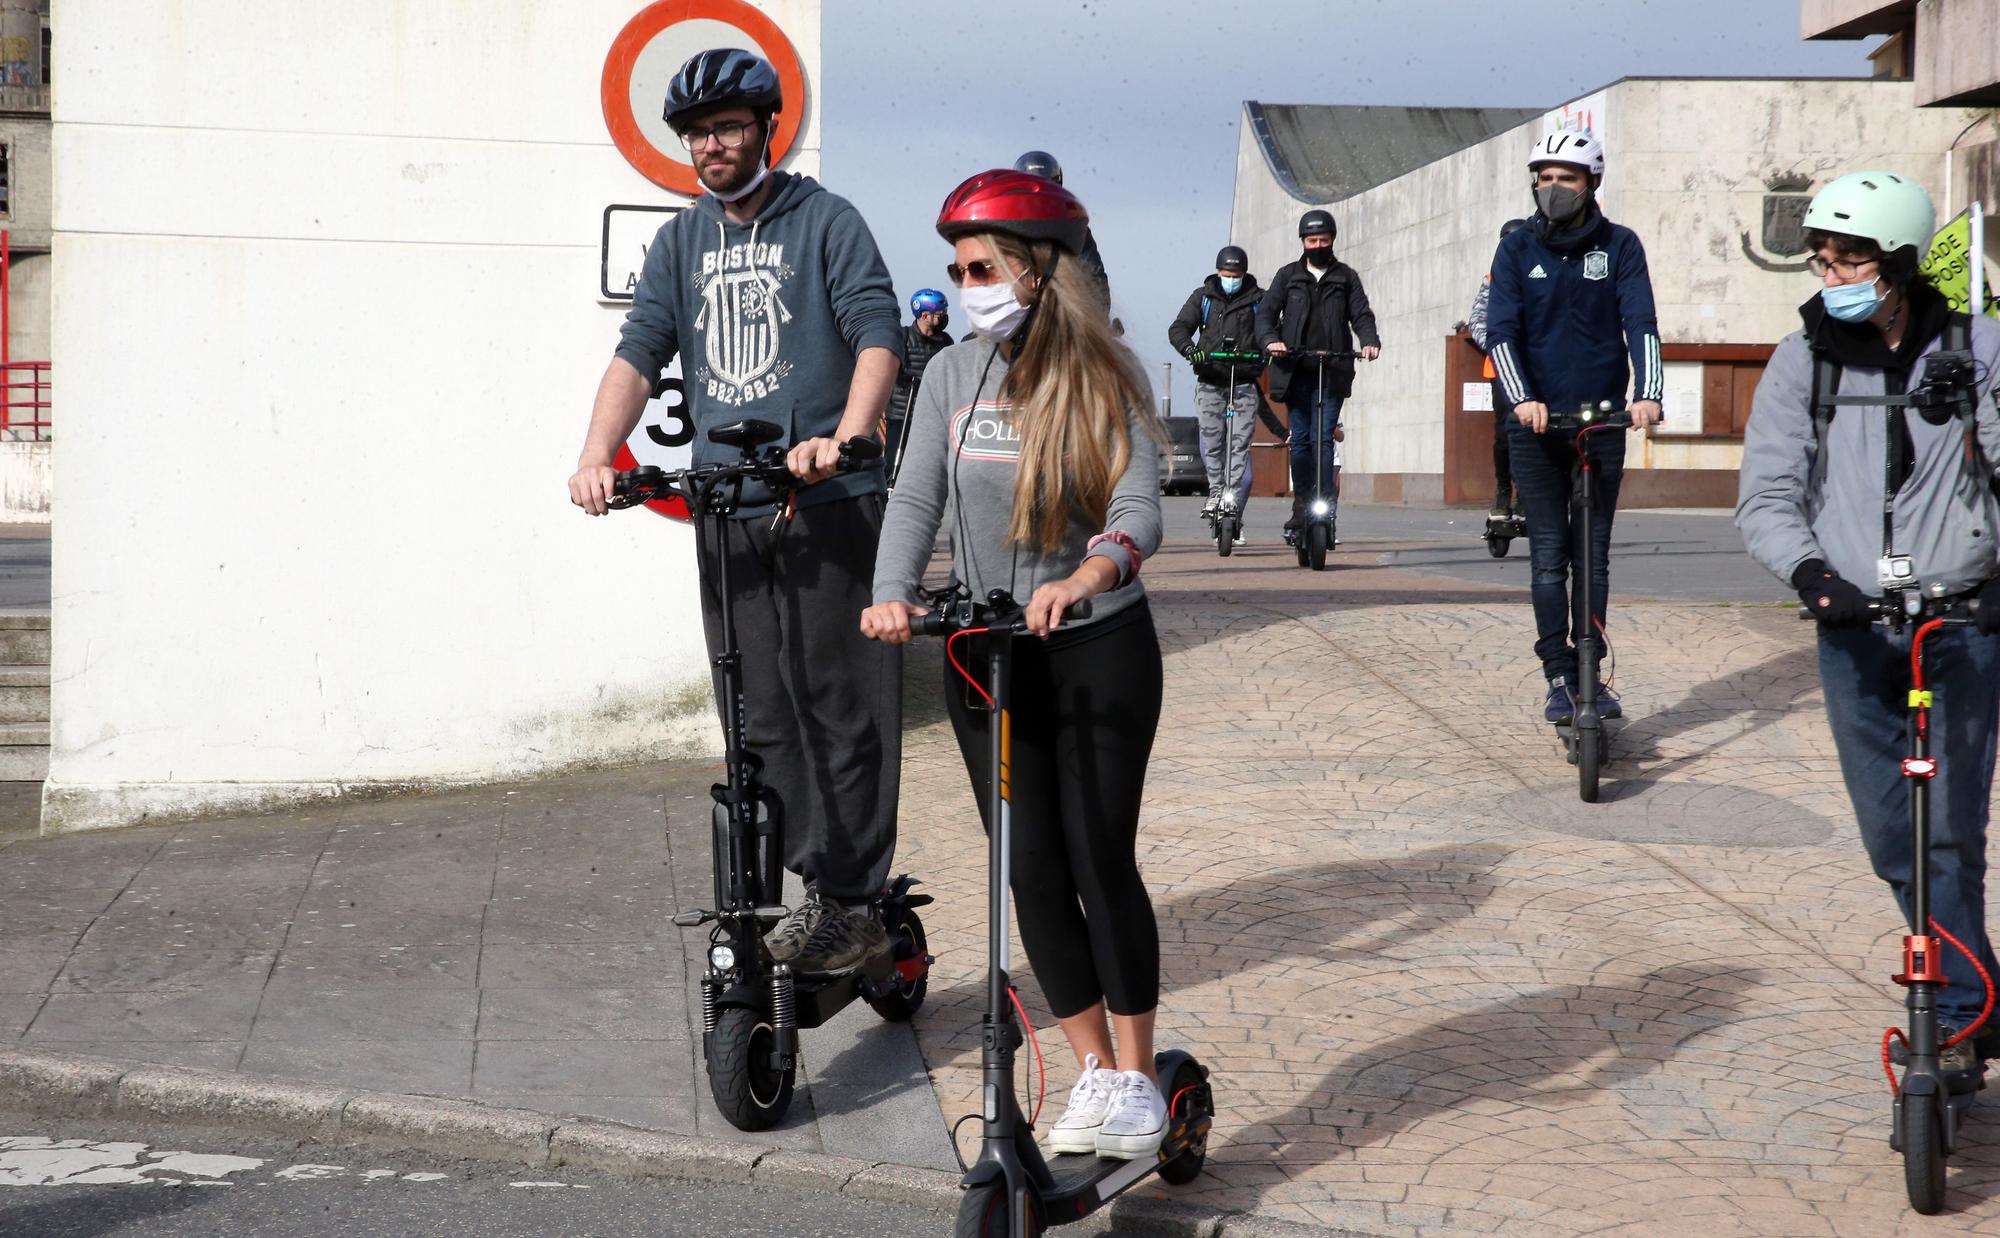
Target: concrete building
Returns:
[331, 324]
[25, 181]
[1712, 174]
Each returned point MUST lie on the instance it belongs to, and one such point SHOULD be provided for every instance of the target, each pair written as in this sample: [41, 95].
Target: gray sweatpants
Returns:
[1210, 405]
[823, 705]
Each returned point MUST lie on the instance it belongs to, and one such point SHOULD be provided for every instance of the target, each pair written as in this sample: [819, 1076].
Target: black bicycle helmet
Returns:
[1040, 163]
[1232, 258]
[723, 77]
[1316, 223]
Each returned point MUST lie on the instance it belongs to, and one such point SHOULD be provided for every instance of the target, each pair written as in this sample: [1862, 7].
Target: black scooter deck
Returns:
[820, 998]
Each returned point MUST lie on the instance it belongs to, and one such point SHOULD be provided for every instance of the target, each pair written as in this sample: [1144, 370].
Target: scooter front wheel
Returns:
[752, 1093]
[1319, 537]
[1589, 757]
[1225, 536]
[982, 1213]
[1923, 1152]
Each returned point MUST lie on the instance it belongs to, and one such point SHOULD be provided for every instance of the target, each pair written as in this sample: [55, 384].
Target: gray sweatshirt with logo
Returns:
[958, 474]
[767, 318]
[1944, 515]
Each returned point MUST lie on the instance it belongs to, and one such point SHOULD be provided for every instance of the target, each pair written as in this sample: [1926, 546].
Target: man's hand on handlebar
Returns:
[1533, 414]
[591, 487]
[1369, 352]
[1276, 348]
[1832, 600]
[889, 622]
[1646, 413]
[815, 459]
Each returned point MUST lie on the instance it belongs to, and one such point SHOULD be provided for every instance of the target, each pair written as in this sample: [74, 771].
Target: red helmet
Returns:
[1019, 203]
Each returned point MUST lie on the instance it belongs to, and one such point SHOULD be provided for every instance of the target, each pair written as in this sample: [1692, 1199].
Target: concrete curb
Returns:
[71, 1086]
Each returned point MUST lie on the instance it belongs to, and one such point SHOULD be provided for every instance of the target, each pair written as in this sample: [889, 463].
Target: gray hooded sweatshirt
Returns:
[1945, 516]
[768, 317]
[958, 473]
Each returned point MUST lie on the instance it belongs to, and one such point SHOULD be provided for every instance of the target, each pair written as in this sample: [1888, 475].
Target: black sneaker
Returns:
[790, 935]
[846, 938]
[1559, 708]
[1961, 1065]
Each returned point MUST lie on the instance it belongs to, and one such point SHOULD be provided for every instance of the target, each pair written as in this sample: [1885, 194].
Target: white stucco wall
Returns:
[329, 336]
[1688, 164]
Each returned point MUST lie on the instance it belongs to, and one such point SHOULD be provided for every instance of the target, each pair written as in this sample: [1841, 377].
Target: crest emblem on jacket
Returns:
[740, 322]
[1596, 264]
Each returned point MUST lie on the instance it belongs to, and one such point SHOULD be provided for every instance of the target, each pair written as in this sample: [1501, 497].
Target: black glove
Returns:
[1833, 601]
[1988, 618]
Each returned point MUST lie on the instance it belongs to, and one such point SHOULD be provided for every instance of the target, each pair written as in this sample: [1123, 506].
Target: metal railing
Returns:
[24, 399]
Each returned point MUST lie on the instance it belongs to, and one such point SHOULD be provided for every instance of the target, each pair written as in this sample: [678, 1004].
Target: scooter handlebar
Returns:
[649, 481]
[1591, 416]
[946, 620]
[1956, 612]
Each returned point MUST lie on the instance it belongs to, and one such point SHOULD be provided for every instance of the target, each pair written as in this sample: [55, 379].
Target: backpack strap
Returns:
[1205, 299]
[1825, 390]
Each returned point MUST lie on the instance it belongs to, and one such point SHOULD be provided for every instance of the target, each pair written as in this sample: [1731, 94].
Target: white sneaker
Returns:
[1208, 508]
[1136, 1122]
[1089, 1100]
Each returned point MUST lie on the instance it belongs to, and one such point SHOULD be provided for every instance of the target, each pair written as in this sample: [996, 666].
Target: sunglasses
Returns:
[978, 272]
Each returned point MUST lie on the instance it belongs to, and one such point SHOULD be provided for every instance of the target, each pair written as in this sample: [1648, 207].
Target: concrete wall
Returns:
[330, 321]
[1689, 162]
[27, 219]
[24, 482]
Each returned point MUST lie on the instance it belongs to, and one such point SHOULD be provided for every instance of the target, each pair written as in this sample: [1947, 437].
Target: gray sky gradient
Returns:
[1142, 101]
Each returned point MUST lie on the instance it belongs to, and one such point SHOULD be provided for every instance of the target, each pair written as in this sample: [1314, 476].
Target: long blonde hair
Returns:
[1072, 385]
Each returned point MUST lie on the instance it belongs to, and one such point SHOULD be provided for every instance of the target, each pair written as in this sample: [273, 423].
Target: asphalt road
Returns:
[102, 1178]
[24, 567]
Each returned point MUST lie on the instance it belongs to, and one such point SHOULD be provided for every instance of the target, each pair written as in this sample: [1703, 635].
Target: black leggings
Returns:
[1085, 709]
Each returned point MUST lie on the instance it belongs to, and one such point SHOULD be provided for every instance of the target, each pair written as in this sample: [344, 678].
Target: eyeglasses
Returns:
[977, 272]
[732, 134]
[1848, 271]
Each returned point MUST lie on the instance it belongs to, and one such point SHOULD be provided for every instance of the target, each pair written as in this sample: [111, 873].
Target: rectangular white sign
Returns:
[1683, 402]
[628, 230]
[1478, 397]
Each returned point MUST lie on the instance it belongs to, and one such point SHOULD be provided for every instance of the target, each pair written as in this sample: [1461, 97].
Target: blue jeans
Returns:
[1300, 407]
[1866, 676]
[1542, 464]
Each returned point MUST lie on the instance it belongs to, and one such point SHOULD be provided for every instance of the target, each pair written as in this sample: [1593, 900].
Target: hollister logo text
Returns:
[990, 436]
[1596, 264]
[741, 322]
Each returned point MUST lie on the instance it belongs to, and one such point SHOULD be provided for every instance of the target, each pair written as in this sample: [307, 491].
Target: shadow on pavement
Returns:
[87, 1213]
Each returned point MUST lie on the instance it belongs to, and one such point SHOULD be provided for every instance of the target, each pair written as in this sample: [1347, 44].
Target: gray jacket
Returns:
[1945, 516]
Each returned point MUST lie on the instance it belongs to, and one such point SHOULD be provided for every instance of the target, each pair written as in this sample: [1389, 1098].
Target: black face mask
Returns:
[1321, 258]
[943, 320]
[1559, 203]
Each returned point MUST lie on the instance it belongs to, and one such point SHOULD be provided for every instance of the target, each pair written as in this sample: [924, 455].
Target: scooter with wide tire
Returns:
[753, 1008]
[1585, 738]
[1315, 537]
[1012, 1190]
[1926, 1117]
[1225, 519]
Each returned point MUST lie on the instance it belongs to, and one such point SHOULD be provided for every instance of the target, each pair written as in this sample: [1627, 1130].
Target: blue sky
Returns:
[1141, 101]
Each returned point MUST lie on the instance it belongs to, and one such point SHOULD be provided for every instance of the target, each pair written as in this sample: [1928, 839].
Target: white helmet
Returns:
[1892, 211]
[1578, 147]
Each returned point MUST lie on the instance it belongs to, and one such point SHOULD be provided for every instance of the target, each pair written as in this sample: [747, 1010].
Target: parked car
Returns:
[1181, 470]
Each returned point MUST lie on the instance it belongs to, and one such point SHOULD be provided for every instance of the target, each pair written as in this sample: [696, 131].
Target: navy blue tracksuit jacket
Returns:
[1566, 312]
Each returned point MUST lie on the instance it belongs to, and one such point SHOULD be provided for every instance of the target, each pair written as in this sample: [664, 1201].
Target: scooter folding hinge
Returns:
[1920, 961]
[1920, 767]
[1920, 698]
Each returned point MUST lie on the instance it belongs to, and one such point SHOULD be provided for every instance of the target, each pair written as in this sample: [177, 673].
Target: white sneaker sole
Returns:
[1076, 1139]
[1129, 1147]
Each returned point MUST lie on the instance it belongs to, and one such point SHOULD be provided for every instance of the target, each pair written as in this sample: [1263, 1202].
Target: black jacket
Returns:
[918, 349]
[1325, 313]
[1212, 316]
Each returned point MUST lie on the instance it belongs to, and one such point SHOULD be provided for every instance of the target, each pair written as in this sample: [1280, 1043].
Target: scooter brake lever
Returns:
[692, 919]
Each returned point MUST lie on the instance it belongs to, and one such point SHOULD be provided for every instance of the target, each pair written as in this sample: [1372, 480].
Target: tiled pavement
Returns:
[1440, 995]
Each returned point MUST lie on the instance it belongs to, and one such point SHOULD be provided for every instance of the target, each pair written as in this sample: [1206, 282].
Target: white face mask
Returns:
[992, 310]
[749, 186]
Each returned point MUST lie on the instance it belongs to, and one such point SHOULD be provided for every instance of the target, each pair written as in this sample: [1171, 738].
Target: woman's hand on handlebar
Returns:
[1533, 414]
[1646, 413]
[592, 486]
[889, 622]
[1044, 611]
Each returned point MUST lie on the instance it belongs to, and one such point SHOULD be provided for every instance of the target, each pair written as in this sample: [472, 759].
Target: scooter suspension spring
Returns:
[784, 1008]
[711, 988]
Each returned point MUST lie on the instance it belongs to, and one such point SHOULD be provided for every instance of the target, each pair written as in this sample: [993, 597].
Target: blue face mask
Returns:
[1851, 302]
[1232, 284]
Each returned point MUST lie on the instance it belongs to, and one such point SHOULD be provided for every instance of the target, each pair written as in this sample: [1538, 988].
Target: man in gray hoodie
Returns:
[774, 294]
[1890, 500]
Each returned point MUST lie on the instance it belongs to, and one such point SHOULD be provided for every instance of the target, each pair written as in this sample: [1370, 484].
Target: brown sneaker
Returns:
[790, 935]
[846, 938]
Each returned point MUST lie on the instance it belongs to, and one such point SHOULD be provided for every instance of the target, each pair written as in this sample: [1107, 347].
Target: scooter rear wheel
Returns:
[1923, 1152]
[751, 1094]
[982, 1213]
[1196, 1104]
[1497, 545]
[1319, 537]
[907, 997]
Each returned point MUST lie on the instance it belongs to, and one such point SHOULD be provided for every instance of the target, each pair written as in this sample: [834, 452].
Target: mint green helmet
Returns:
[1892, 211]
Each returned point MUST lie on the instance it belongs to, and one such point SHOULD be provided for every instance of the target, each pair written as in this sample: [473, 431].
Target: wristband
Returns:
[1122, 539]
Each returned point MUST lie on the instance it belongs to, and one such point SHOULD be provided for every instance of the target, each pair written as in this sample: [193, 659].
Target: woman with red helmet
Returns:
[1037, 435]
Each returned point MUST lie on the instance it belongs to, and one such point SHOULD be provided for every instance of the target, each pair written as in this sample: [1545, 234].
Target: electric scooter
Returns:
[1225, 522]
[1012, 1190]
[1584, 736]
[1925, 1115]
[1315, 537]
[751, 1007]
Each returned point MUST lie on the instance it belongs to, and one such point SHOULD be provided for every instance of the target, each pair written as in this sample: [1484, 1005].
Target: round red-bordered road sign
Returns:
[648, 145]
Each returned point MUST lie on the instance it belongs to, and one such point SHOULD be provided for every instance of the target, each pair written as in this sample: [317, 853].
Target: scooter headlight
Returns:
[1320, 508]
[721, 958]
